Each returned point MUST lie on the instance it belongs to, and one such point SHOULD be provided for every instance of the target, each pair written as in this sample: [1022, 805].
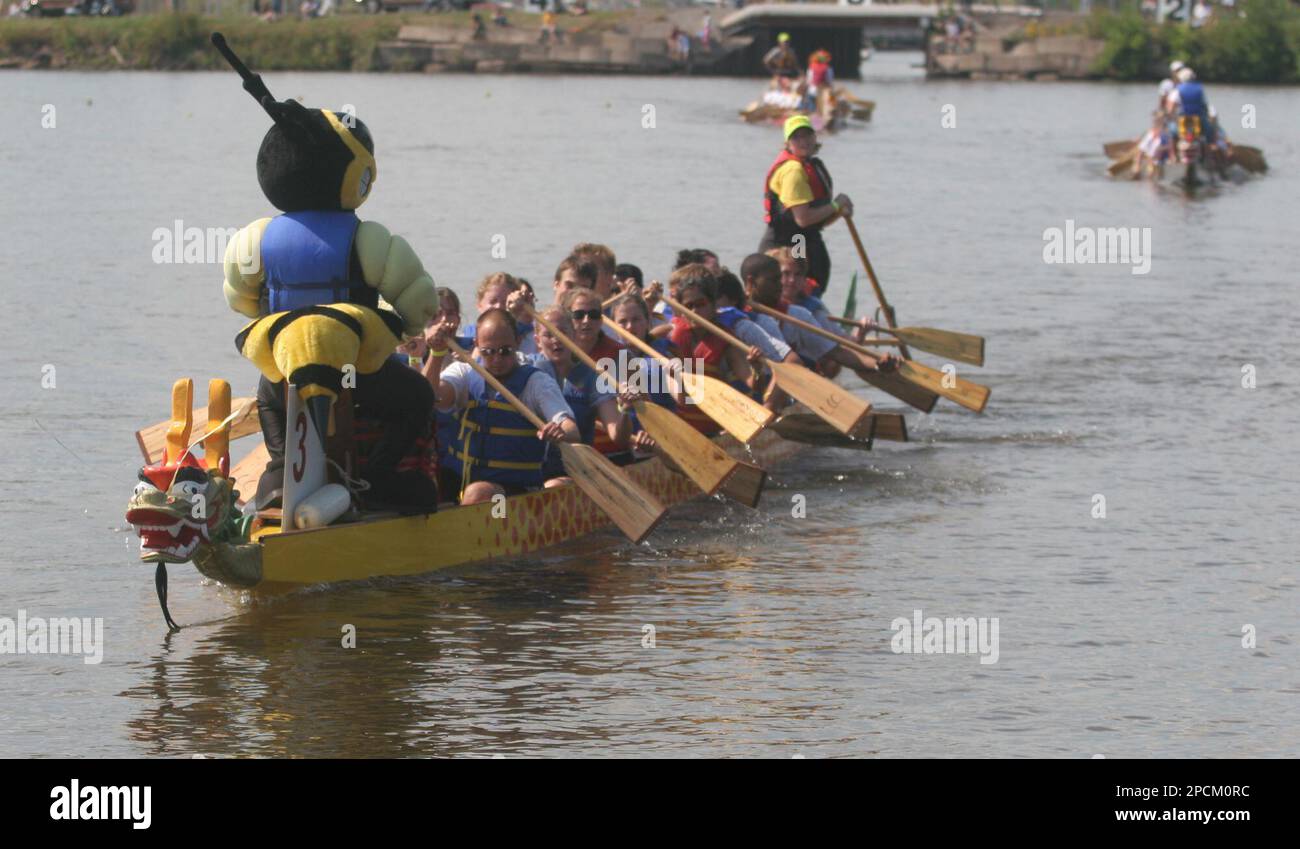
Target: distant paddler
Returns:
[797, 200]
[781, 60]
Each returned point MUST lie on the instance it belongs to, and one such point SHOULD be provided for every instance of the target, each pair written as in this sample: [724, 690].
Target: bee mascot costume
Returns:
[311, 278]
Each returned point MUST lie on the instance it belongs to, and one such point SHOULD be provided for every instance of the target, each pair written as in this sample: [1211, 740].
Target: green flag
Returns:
[851, 302]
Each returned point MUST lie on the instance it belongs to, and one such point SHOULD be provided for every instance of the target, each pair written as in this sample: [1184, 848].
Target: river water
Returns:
[1123, 635]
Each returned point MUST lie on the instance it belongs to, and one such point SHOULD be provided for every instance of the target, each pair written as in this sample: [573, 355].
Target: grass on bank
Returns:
[180, 42]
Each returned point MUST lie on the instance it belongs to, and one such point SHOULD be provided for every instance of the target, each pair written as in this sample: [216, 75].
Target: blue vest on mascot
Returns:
[489, 422]
[1192, 98]
[307, 257]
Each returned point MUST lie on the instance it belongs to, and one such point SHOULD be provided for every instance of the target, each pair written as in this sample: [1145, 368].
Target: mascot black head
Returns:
[310, 158]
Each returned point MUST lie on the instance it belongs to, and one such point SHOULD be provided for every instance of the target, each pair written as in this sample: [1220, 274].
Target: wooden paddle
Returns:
[971, 395]
[963, 347]
[1119, 166]
[807, 428]
[735, 412]
[153, 439]
[632, 508]
[885, 309]
[699, 457]
[1120, 149]
[1250, 158]
[841, 408]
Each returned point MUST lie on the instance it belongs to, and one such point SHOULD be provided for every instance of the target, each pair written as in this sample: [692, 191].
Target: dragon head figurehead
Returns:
[177, 506]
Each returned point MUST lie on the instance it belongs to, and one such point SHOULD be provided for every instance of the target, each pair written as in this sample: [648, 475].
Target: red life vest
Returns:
[817, 73]
[819, 179]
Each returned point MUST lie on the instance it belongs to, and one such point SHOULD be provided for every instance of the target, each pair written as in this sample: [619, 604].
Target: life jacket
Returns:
[307, 261]
[710, 348]
[817, 74]
[495, 443]
[819, 179]
[1191, 98]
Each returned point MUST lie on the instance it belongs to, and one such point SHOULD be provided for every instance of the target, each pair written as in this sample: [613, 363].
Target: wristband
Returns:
[835, 206]
[444, 352]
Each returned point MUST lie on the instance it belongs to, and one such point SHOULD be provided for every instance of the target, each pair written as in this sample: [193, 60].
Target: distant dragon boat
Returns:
[834, 109]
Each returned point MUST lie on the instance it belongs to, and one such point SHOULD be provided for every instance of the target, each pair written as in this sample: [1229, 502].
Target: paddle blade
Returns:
[737, 414]
[635, 511]
[963, 347]
[904, 390]
[746, 484]
[1250, 158]
[1120, 149]
[968, 394]
[842, 409]
[810, 430]
[1119, 166]
[695, 454]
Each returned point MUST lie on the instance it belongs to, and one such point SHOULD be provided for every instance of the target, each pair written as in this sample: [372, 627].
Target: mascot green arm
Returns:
[243, 269]
[390, 265]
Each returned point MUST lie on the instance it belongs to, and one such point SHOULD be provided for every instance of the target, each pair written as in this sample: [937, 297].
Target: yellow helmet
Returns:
[796, 122]
[783, 38]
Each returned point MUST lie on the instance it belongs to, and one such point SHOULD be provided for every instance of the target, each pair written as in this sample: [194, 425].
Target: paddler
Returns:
[501, 291]
[598, 409]
[1189, 103]
[764, 284]
[820, 77]
[496, 451]
[606, 263]
[781, 60]
[696, 289]
[797, 200]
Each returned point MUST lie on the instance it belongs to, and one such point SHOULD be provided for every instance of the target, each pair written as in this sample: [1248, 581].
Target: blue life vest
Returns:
[1192, 98]
[494, 442]
[307, 258]
[579, 390]
[446, 429]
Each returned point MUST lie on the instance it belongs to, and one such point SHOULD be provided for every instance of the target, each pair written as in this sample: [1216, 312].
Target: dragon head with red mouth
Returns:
[178, 506]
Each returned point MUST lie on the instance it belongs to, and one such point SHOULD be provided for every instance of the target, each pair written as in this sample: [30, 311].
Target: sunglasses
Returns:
[503, 351]
[593, 314]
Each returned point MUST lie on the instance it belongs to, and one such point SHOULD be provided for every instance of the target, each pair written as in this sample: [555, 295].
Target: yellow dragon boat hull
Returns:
[275, 560]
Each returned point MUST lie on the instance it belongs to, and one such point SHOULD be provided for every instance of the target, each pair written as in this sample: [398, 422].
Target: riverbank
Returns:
[627, 41]
[1259, 42]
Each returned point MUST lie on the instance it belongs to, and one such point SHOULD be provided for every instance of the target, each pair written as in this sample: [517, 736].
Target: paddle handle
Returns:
[875, 282]
[812, 328]
[707, 325]
[582, 355]
[640, 344]
[498, 386]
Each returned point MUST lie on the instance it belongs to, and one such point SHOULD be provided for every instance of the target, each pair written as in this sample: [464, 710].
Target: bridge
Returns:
[840, 28]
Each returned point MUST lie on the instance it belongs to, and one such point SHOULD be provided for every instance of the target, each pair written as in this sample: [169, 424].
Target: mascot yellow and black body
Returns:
[312, 278]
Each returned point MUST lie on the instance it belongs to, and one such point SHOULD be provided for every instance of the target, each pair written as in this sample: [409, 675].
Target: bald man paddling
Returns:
[797, 201]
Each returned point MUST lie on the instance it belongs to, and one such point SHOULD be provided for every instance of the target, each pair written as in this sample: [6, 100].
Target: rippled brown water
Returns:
[1120, 636]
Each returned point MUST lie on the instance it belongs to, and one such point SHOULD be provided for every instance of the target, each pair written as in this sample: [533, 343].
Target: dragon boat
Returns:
[236, 546]
[832, 113]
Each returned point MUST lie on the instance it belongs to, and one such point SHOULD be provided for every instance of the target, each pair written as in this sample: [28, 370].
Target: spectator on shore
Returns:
[480, 28]
[1200, 13]
[499, 16]
[549, 29]
[706, 32]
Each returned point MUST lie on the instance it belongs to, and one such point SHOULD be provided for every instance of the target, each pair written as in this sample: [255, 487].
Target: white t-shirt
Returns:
[541, 394]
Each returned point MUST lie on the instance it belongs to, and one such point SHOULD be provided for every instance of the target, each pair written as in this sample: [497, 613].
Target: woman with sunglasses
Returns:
[496, 450]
